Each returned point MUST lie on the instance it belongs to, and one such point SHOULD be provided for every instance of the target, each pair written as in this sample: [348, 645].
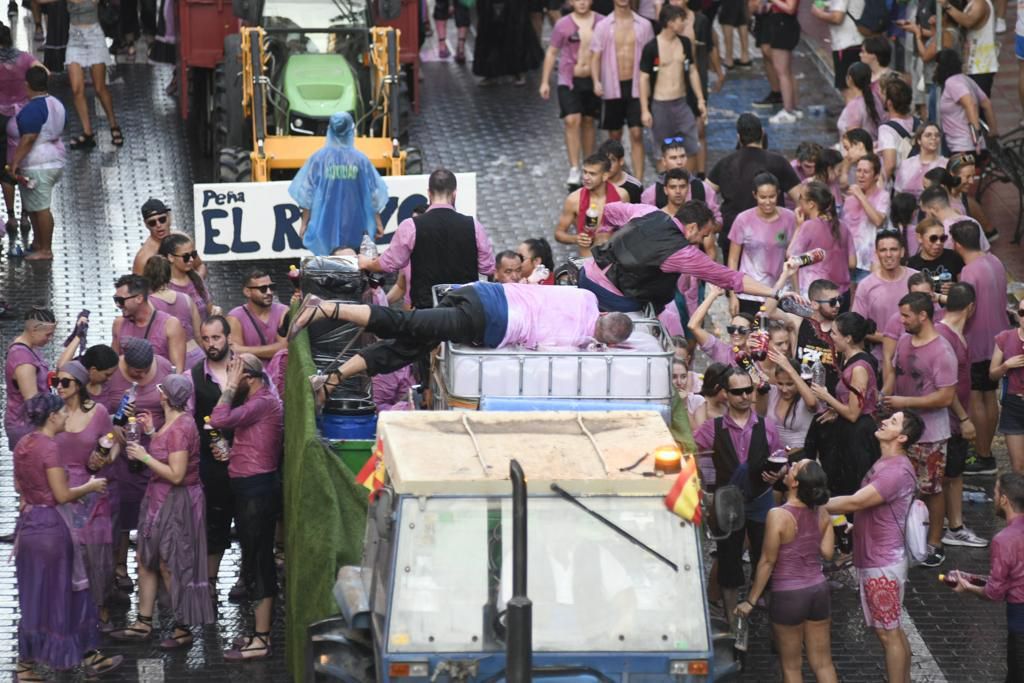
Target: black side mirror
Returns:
[389, 10]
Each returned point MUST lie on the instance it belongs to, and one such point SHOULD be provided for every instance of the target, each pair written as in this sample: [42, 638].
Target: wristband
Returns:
[146, 460]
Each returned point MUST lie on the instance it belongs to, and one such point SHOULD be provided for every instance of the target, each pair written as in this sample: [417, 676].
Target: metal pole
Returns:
[394, 120]
[938, 48]
[519, 646]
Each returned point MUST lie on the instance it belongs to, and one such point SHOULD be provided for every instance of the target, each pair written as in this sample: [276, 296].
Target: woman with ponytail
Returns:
[863, 111]
[818, 227]
[58, 626]
[798, 534]
[180, 250]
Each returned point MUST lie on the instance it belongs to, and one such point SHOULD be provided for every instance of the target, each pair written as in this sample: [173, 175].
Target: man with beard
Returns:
[255, 323]
[140, 319]
[574, 226]
[877, 294]
[812, 340]
[1006, 575]
[207, 379]
[248, 406]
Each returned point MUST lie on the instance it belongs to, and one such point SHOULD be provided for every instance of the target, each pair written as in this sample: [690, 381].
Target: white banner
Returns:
[248, 221]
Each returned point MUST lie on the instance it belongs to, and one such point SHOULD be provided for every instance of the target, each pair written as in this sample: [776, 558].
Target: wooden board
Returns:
[428, 452]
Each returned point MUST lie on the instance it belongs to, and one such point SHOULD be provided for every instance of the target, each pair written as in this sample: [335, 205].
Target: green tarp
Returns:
[324, 511]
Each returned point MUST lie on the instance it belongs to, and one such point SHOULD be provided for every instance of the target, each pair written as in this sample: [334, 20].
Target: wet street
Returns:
[512, 140]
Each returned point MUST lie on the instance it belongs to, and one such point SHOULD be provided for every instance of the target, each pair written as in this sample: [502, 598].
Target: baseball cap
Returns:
[154, 207]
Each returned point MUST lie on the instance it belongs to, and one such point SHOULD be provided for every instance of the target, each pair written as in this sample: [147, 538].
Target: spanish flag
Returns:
[684, 498]
[372, 473]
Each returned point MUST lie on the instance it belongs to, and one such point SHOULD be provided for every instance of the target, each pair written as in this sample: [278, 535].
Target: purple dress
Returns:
[58, 623]
[172, 525]
[15, 423]
[92, 514]
[131, 486]
[155, 332]
[202, 304]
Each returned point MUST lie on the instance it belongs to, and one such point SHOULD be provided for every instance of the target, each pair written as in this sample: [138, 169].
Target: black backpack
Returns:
[875, 18]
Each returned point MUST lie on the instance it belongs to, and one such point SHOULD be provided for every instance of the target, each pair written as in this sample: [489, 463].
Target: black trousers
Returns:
[458, 318]
[1014, 657]
[730, 554]
[220, 507]
[257, 500]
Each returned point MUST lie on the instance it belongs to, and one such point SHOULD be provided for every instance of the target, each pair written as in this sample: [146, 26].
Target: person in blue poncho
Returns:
[339, 191]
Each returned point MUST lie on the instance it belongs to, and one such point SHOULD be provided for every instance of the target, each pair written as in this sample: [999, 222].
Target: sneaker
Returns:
[936, 557]
[964, 537]
[574, 176]
[977, 466]
[1000, 25]
[783, 117]
[771, 100]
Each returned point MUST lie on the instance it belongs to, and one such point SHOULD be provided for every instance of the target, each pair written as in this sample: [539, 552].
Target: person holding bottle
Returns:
[798, 534]
[172, 520]
[87, 423]
[1006, 573]
[57, 624]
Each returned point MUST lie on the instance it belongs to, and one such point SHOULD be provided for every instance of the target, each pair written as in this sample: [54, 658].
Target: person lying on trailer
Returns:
[485, 314]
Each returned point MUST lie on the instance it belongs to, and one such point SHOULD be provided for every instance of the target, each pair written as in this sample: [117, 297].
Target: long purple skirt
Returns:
[176, 536]
[58, 625]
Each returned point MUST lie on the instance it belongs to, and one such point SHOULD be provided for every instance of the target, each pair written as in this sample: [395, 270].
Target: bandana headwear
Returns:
[76, 370]
[177, 389]
[138, 353]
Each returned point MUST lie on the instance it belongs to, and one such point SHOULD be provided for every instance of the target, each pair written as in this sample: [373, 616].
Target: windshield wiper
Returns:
[612, 525]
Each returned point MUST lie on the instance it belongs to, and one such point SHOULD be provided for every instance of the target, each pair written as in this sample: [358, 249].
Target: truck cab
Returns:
[616, 580]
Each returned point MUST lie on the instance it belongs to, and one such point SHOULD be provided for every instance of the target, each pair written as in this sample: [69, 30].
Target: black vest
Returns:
[696, 192]
[635, 254]
[445, 253]
[206, 393]
[727, 461]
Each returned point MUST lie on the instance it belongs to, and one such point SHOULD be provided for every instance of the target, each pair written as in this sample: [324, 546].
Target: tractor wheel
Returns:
[234, 166]
[231, 129]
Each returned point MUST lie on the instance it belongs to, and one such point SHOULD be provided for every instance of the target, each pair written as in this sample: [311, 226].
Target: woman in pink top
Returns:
[862, 111]
[57, 626]
[961, 105]
[797, 536]
[864, 212]
[819, 228]
[172, 521]
[1008, 361]
[175, 304]
[180, 250]
[910, 173]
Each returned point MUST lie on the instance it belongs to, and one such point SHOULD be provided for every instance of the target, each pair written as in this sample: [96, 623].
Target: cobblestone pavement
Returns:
[512, 140]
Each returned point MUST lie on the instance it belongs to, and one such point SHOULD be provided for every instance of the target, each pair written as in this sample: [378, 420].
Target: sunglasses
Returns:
[188, 256]
[937, 238]
[834, 301]
[745, 391]
[737, 329]
[959, 162]
[63, 382]
[262, 289]
[156, 220]
[672, 140]
[119, 301]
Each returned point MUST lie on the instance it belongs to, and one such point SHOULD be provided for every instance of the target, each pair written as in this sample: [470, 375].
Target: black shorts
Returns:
[956, 455]
[580, 99]
[760, 30]
[984, 82]
[624, 111]
[841, 62]
[792, 608]
[980, 380]
[1011, 417]
[783, 31]
[461, 11]
[733, 13]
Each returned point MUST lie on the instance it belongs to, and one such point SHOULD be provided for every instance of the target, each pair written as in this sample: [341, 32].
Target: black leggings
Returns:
[257, 500]
[458, 318]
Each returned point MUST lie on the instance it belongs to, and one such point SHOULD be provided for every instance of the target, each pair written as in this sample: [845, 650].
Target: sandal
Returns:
[83, 142]
[97, 663]
[310, 304]
[250, 649]
[116, 137]
[182, 637]
[460, 52]
[323, 386]
[27, 673]
[443, 52]
[142, 629]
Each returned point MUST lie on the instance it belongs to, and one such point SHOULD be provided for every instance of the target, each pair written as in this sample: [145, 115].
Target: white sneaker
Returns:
[1000, 25]
[965, 537]
[798, 113]
[783, 117]
[574, 176]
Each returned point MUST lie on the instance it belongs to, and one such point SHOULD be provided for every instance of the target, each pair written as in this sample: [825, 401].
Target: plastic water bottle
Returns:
[132, 434]
[368, 247]
[976, 497]
[120, 416]
[818, 373]
[742, 633]
[791, 305]
[539, 274]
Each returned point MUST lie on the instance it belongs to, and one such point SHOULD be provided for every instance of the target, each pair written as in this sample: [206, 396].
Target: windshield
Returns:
[314, 14]
[592, 589]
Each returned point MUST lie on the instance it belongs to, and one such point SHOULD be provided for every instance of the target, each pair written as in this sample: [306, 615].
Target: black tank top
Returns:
[810, 346]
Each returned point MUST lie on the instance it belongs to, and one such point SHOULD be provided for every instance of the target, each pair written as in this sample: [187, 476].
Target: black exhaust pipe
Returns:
[519, 642]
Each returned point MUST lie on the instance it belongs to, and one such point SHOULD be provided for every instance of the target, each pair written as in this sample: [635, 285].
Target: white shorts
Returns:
[881, 595]
[86, 46]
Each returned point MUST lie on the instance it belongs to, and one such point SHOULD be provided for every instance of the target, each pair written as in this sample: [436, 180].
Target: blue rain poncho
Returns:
[341, 189]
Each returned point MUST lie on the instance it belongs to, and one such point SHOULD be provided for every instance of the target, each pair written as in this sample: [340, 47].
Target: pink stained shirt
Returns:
[603, 43]
[549, 316]
[816, 234]
[12, 83]
[258, 426]
[988, 277]
[16, 423]
[878, 299]
[650, 196]
[764, 245]
[1008, 341]
[1006, 554]
[963, 371]
[954, 117]
[399, 252]
[569, 50]
[878, 533]
[250, 336]
[855, 115]
[922, 370]
[33, 455]
[868, 400]
[689, 260]
[799, 562]
[894, 326]
[953, 220]
[862, 230]
[910, 174]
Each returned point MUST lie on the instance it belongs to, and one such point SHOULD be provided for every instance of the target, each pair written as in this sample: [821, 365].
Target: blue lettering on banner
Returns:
[211, 233]
[285, 218]
[222, 198]
[237, 245]
[404, 210]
